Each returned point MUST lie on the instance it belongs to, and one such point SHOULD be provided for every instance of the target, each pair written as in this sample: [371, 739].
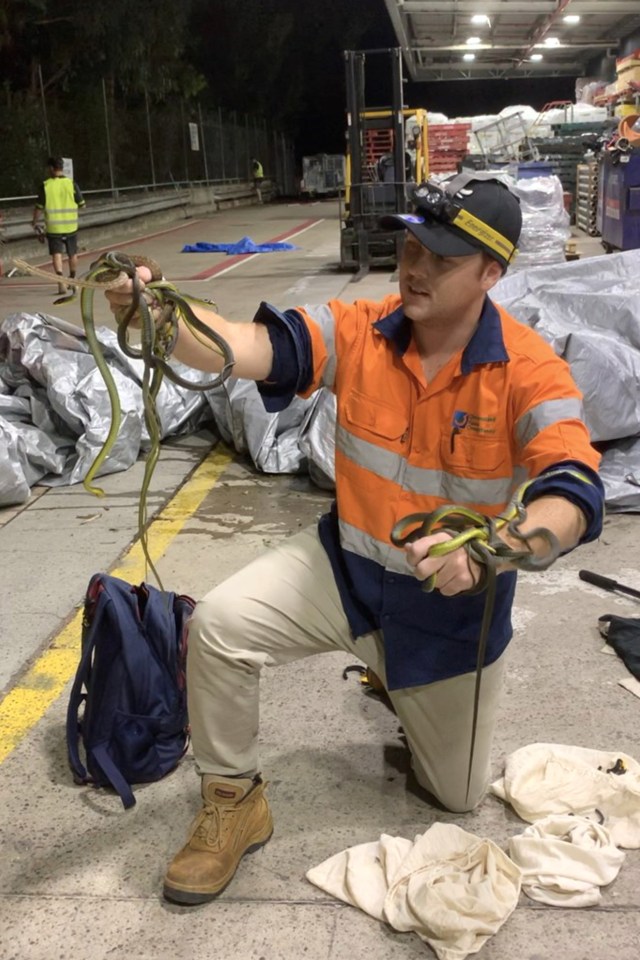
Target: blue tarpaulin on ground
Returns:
[246, 245]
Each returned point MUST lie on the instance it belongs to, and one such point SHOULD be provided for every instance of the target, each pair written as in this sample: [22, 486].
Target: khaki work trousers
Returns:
[285, 606]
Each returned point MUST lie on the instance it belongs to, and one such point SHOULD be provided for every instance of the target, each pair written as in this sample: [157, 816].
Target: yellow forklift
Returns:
[387, 152]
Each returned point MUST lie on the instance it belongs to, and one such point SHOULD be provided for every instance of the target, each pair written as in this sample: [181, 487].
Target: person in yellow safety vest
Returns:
[258, 177]
[59, 199]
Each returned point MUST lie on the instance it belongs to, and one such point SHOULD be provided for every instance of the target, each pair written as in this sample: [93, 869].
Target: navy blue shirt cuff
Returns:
[588, 497]
[292, 367]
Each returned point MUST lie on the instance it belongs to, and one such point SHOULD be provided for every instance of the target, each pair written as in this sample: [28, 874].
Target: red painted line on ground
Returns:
[146, 236]
[46, 264]
[211, 272]
[204, 275]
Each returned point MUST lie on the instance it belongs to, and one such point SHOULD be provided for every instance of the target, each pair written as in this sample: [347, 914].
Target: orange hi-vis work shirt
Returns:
[503, 410]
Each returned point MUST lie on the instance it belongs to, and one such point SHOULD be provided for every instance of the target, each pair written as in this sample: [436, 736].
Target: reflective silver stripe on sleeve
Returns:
[364, 545]
[435, 483]
[545, 415]
[325, 319]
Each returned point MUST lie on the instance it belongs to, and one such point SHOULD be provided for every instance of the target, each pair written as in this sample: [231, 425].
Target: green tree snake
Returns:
[156, 339]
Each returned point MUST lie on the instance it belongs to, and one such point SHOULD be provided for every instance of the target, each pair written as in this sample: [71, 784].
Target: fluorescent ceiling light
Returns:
[468, 56]
[552, 42]
[480, 19]
[572, 18]
[535, 56]
[474, 41]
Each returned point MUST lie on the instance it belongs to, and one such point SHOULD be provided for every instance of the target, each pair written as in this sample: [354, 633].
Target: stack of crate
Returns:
[377, 143]
[587, 197]
[448, 146]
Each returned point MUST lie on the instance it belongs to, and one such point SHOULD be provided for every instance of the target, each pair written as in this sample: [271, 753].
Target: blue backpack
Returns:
[131, 684]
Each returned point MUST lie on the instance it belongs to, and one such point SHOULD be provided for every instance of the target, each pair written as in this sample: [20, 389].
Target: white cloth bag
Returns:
[453, 889]
[565, 860]
[550, 778]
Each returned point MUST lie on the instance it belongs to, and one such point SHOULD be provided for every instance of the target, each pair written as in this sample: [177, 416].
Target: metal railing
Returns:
[136, 201]
[119, 145]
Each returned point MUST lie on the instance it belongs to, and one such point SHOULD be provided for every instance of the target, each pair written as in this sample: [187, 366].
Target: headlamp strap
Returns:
[484, 233]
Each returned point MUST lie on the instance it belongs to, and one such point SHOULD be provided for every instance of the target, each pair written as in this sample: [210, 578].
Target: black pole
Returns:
[353, 134]
[606, 583]
[183, 127]
[398, 130]
[44, 110]
[148, 115]
[106, 127]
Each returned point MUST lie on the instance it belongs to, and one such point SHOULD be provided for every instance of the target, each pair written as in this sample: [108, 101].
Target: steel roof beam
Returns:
[428, 27]
[542, 31]
[569, 47]
[499, 67]
[533, 8]
[496, 72]
[398, 23]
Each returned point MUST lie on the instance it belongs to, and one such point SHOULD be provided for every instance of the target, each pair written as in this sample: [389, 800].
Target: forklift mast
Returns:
[377, 165]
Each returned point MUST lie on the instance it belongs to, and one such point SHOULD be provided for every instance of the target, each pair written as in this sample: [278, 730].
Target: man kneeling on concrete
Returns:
[442, 398]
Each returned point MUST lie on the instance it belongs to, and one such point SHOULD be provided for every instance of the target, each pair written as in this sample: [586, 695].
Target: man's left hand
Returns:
[455, 572]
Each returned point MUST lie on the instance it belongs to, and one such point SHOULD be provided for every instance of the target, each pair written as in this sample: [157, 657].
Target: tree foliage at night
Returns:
[276, 60]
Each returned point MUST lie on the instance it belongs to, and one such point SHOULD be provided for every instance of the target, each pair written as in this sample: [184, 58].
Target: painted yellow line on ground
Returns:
[45, 680]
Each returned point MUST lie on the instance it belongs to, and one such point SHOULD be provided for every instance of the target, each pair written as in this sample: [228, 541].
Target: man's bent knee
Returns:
[452, 798]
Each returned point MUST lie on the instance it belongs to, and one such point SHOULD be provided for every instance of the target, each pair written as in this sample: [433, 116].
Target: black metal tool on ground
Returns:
[606, 583]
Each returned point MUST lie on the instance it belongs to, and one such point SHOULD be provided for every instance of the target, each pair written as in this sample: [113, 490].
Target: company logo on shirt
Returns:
[471, 423]
[460, 420]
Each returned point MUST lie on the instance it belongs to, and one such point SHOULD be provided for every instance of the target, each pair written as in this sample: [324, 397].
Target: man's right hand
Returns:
[250, 342]
[121, 297]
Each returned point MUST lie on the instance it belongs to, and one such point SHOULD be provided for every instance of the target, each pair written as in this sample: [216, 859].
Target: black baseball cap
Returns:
[488, 200]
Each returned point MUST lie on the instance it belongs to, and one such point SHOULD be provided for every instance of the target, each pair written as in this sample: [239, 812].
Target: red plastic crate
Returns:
[448, 131]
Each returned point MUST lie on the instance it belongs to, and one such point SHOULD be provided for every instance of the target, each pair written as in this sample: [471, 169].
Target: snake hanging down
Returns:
[479, 536]
[157, 338]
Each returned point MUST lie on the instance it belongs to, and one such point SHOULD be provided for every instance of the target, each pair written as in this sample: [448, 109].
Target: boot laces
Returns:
[207, 825]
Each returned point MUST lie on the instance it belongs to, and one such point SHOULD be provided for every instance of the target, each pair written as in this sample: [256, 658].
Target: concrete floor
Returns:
[81, 878]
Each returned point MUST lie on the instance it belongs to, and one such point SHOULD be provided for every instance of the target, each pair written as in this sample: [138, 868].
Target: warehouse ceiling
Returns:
[508, 38]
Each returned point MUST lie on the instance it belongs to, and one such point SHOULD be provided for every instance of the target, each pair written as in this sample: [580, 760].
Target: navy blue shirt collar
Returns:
[396, 328]
[486, 344]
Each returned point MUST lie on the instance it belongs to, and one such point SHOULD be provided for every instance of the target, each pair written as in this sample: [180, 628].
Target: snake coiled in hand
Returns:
[157, 335]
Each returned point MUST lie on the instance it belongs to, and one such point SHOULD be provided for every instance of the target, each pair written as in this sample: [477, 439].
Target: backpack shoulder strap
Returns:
[114, 776]
[76, 697]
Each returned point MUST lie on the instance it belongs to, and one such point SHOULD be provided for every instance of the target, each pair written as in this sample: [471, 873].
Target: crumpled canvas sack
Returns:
[551, 778]
[453, 889]
[565, 860]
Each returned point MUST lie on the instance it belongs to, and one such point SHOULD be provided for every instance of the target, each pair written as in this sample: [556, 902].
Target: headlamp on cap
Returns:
[437, 202]
[430, 198]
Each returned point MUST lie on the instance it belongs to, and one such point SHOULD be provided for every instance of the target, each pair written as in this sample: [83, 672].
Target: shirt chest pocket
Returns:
[473, 455]
[375, 420]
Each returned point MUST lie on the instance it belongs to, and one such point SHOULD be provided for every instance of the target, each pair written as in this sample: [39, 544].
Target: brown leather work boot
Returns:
[235, 819]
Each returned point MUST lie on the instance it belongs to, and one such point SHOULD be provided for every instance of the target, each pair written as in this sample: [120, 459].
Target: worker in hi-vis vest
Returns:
[59, 198]
[258, 177]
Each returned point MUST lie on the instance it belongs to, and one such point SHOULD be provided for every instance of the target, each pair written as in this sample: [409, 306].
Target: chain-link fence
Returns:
[115, 143]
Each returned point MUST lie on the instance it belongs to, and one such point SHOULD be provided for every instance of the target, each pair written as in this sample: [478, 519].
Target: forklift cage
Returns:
[369, 191]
